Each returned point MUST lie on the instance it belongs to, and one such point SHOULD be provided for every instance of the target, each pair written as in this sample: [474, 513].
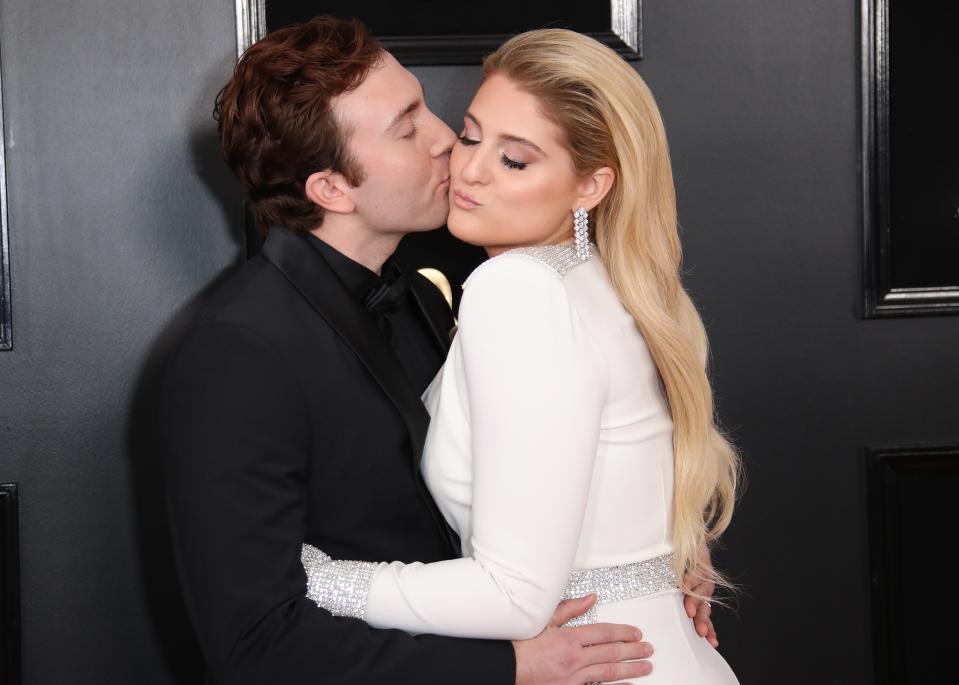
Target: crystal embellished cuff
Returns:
[340, 587]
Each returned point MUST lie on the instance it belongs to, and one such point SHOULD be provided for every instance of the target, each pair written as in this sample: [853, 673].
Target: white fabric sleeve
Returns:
[536, 390]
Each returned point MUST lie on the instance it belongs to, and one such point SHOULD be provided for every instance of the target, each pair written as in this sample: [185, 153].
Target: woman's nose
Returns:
[473, 169]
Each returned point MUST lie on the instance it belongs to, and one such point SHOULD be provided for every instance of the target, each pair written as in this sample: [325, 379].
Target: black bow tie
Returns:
[387, 296]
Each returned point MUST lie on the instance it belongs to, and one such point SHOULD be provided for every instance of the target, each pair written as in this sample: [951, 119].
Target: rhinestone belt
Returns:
[342, 587]
[618, 583]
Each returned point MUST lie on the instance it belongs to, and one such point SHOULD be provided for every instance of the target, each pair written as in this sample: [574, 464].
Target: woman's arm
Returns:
[535, 392]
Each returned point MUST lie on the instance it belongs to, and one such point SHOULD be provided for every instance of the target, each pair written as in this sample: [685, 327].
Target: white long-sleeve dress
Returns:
[550, 452]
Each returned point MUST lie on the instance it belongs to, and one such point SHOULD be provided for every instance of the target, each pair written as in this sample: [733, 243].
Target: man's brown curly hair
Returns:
[275, 115]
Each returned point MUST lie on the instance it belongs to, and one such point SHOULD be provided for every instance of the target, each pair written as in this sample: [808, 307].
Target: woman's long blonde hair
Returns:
[609, 118]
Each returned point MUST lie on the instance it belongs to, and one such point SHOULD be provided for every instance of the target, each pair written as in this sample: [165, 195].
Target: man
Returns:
[291, 411]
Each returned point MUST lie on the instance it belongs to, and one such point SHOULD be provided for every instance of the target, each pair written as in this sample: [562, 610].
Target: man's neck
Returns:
[362, 245]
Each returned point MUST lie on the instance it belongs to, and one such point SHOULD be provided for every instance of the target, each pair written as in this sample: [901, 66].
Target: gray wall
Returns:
[117, 220]
[121, 214]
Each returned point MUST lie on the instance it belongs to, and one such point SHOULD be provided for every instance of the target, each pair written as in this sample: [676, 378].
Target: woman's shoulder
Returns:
[546, 262]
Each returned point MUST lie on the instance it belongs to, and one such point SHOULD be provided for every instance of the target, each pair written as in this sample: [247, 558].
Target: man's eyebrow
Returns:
[409, 109]
[509, 137]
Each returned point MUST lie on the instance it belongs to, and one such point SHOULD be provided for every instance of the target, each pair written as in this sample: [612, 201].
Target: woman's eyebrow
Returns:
[508, 136]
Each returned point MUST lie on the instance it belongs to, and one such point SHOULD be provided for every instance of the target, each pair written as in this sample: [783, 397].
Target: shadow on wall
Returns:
[155, 551]
[211, 169]
[167, 611]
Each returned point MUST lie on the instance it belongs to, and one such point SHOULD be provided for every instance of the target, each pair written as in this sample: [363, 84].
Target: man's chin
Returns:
[427, 229]
[435, 221]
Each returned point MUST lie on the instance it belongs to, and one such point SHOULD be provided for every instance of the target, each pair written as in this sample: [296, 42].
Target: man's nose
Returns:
[443, 140]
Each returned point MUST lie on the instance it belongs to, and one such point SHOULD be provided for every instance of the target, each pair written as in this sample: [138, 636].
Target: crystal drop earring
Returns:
[581, 221]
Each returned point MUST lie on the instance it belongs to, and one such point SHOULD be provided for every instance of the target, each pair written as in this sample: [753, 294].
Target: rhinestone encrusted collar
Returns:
[560, 258]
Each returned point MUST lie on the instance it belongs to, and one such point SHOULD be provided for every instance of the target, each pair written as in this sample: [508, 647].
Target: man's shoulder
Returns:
[253, 319]
[255, 296]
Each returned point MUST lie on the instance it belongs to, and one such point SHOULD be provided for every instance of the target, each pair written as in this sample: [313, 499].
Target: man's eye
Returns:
[467, 141]
[412, 133]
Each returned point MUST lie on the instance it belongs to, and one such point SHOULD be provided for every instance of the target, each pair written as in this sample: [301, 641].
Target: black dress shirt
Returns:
[387, 299]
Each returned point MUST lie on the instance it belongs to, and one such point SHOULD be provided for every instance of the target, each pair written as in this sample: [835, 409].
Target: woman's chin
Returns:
[465, 229]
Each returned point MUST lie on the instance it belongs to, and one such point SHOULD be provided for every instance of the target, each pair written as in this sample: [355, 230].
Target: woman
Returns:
[572, 444]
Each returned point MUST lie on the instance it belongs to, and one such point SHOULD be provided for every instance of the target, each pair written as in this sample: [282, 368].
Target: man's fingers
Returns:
[601, 633]
[692, 603]
[570, 609]
[702, 619]
[708, 633]
[711, 635]
[704, 625]
[693, 589]
[611, 652]
[703, 588]
[622, 670]
[706, 588]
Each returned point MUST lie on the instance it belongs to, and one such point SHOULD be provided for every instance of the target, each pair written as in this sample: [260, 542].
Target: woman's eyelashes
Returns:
[507, 162]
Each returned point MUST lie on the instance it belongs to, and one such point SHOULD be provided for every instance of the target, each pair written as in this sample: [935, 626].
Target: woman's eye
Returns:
[511, 164]
[467, 141]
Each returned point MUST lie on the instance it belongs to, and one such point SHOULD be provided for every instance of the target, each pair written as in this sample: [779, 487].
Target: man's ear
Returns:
[594, 188]
[330, 191]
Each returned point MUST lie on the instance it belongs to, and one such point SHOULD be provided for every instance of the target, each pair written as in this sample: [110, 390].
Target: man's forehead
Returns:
[385, 92]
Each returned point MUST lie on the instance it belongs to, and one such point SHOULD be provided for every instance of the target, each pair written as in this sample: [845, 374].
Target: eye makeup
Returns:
[507, 162]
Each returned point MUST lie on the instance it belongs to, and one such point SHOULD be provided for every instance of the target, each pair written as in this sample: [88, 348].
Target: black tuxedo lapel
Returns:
[309, 273]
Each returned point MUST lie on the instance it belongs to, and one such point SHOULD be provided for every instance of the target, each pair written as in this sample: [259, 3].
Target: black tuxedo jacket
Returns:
[286, 418]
